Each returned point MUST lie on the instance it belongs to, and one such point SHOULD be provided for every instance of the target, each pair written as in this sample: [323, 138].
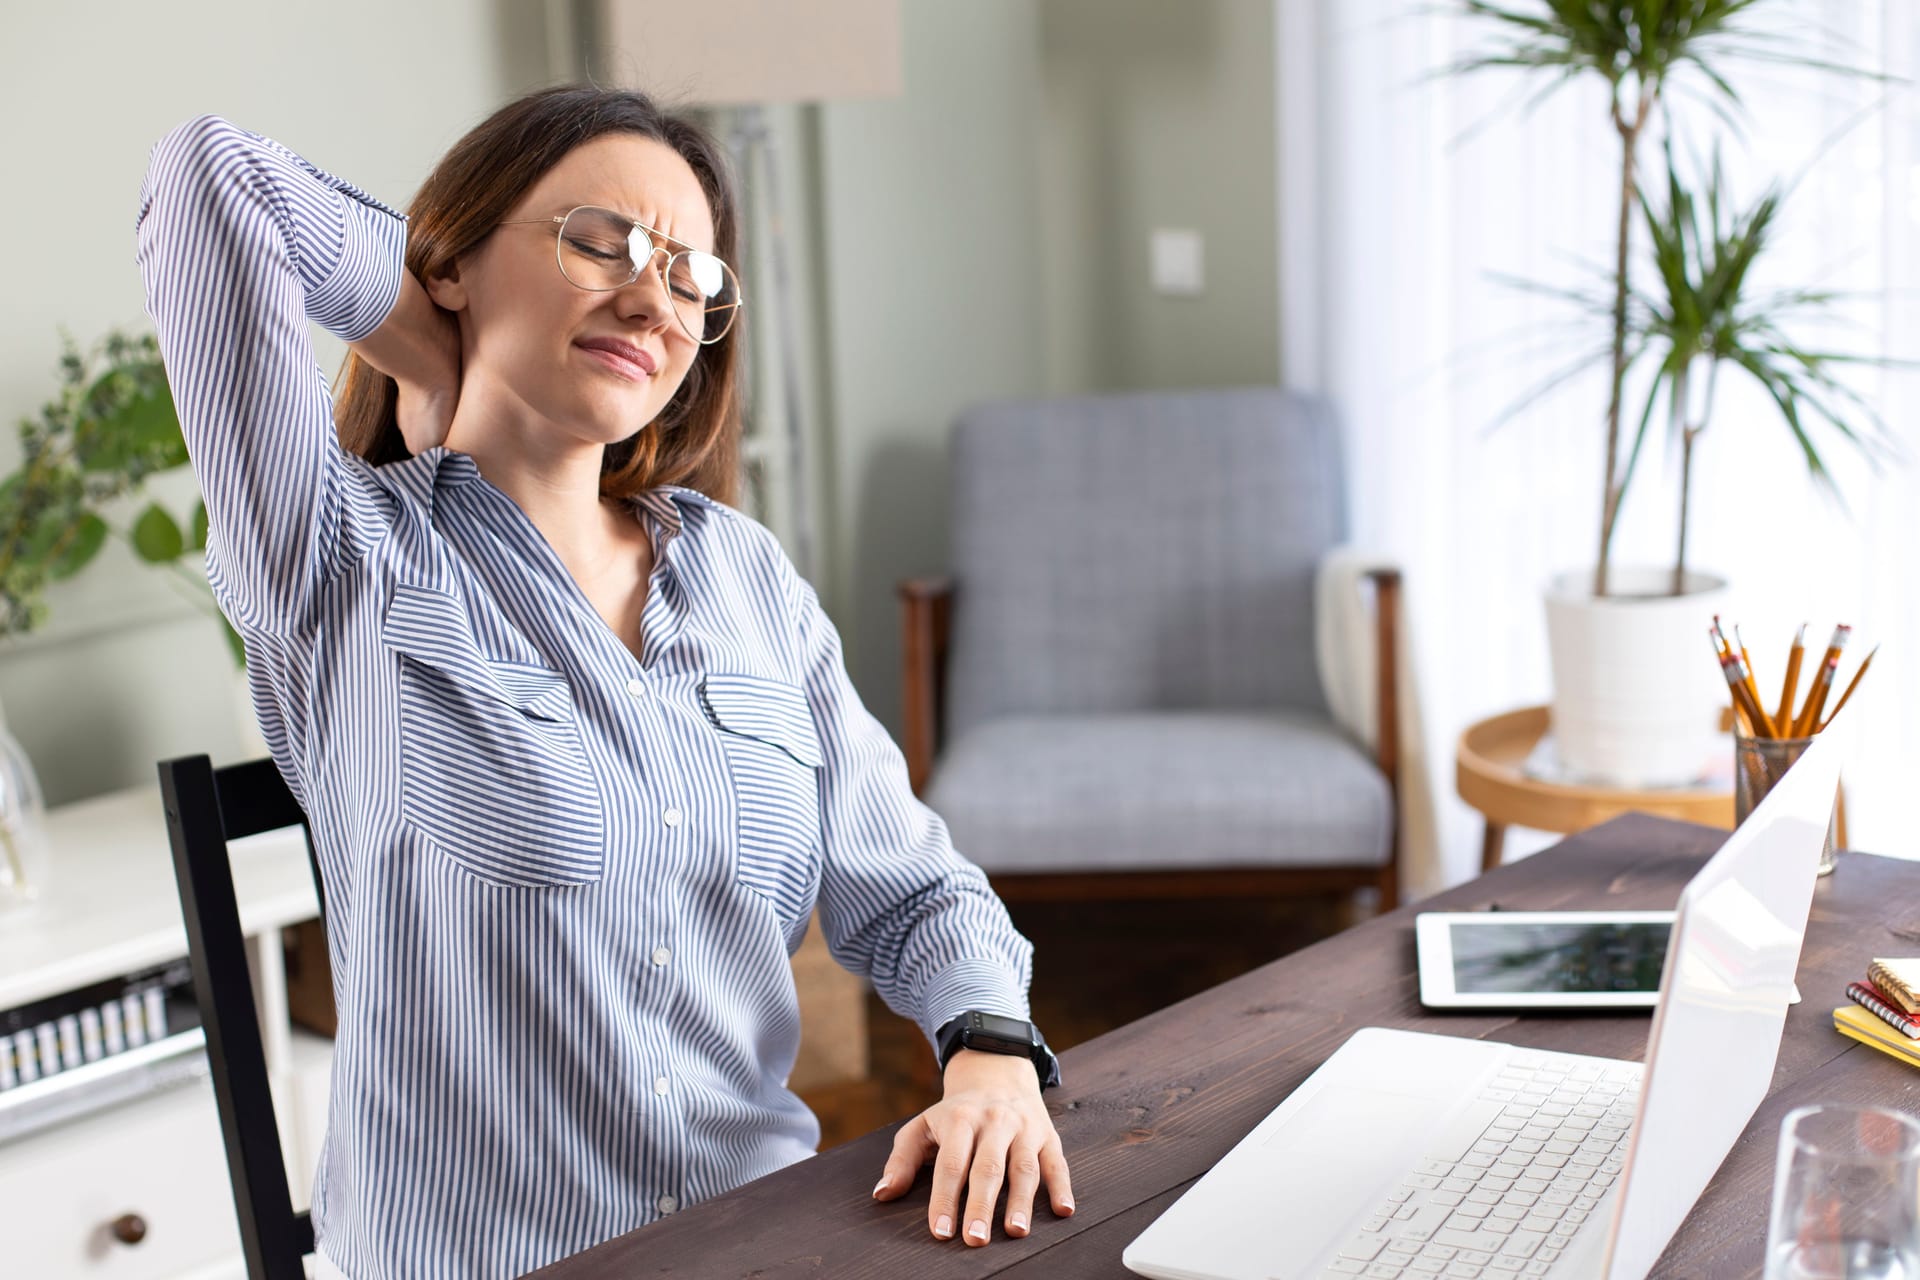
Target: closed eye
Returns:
[597, 251]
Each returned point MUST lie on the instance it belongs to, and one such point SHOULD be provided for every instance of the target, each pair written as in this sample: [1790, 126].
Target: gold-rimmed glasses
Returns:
[601, 250]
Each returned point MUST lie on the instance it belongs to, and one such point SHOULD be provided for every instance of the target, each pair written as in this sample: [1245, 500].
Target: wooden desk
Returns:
[1150, 1107]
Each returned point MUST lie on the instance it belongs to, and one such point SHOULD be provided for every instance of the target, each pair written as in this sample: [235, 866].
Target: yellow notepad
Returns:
[1857, 1024]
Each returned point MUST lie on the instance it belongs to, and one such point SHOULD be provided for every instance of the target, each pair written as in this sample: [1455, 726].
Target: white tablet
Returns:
[1541, 959]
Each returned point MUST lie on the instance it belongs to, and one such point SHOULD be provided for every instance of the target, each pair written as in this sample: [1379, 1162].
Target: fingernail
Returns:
[1067, 1205]
[943, 1226]
[1018, 1222]
[978, 1231]
[878, 1187]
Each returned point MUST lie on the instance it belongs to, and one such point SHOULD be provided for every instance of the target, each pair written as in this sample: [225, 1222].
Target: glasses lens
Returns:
[705, 293]
[598, 249]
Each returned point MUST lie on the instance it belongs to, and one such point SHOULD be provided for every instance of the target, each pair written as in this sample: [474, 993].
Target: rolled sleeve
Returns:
[898, 904]
[348, 247]
[240, 243]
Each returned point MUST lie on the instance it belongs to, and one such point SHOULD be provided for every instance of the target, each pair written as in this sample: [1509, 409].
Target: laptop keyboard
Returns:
[1504, 1189]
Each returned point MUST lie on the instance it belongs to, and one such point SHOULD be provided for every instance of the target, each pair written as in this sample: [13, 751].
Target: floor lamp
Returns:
[747, 55]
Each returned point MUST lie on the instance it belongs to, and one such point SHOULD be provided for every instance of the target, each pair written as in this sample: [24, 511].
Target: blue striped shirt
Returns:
[563, 886]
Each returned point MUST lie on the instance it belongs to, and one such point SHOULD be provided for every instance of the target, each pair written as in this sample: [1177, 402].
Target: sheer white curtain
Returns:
[1404, 195]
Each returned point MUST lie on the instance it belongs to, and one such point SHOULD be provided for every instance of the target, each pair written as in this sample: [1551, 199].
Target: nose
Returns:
[644, 299]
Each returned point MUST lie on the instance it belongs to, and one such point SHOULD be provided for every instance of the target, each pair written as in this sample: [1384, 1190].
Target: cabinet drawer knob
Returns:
[129, 1228]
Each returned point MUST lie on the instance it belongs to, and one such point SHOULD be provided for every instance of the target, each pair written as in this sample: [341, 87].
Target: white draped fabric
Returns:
[1405, 195]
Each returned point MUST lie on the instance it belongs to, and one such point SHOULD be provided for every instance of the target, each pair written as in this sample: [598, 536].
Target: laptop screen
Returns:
[1723, 1005]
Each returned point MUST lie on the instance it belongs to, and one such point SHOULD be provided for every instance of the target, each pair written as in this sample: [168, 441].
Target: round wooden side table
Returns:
[1488, 771]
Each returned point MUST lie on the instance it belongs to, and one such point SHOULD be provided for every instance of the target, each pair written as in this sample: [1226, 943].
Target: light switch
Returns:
[1178, 264]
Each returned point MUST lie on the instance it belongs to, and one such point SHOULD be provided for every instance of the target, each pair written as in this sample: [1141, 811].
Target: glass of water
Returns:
[1846, 1196]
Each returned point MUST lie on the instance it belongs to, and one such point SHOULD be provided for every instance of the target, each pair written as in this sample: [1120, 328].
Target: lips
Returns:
[622, 357]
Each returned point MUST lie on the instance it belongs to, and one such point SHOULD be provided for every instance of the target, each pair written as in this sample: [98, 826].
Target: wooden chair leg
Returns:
[1390, 882]
[1493, 845]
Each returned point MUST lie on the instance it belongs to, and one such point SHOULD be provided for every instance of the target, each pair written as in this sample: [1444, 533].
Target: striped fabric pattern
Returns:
[563, 885]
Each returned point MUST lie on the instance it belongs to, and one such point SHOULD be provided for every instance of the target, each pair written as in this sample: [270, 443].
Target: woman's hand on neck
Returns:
[419, 346]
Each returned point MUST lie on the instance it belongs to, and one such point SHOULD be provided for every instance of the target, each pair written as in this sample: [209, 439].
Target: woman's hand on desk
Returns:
[990, 1127]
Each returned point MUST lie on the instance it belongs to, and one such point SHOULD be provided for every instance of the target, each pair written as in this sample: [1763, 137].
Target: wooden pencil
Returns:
[1851, 686]
[1753, 687]
[1809, 717]
[1783, 719]
[1743, 703]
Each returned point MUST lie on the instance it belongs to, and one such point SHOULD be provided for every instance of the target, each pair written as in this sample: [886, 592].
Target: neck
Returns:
[551, 476]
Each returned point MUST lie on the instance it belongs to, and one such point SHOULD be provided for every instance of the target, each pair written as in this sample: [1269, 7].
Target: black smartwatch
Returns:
[991, 1033]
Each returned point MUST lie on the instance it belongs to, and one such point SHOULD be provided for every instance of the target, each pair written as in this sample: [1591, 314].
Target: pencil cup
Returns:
[1759, 763]
[1846, 1195]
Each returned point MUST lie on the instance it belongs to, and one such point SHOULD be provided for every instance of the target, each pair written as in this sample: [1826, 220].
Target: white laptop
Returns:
[1409, 1155]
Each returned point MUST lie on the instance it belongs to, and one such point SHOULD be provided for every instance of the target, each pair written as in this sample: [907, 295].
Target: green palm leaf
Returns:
[1636, 46]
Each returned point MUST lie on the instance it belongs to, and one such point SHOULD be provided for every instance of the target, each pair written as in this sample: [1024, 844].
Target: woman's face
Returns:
[598, 366]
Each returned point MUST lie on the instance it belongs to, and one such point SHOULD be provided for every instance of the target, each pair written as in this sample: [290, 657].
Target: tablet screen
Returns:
[1495, 957]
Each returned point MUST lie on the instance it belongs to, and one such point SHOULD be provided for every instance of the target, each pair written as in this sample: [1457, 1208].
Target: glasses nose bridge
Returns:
[653, 250]
[659, 305]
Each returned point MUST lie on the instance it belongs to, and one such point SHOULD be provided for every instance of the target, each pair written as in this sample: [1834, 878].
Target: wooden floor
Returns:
[1096, 967]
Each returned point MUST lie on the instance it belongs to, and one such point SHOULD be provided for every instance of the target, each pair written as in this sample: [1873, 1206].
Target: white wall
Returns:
[128, 672]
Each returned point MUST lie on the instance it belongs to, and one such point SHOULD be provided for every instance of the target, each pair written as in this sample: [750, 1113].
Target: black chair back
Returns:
[207, 807]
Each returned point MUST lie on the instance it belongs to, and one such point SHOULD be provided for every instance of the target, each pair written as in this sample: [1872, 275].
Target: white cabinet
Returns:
[158, 1161]
[155, 1165]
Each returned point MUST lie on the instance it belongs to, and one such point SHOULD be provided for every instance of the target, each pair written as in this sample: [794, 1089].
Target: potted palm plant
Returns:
[1632, 703]
[1705, 314]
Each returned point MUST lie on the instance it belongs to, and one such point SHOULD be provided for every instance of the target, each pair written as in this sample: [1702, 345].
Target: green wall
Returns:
[986, 236]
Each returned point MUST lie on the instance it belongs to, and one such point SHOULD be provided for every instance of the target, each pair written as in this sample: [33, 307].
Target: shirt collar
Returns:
[663, 502]
[667, 503]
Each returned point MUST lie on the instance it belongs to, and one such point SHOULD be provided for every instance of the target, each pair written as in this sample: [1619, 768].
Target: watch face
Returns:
[1009, 1031]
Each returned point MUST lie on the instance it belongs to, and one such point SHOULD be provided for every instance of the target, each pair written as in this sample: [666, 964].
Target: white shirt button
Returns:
[671, 817]
[660, 1085]
[637, 687]
[661, 955]
[668, 1204]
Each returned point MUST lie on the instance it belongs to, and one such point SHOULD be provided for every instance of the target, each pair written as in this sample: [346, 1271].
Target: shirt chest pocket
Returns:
[773, 754]
[493, 769]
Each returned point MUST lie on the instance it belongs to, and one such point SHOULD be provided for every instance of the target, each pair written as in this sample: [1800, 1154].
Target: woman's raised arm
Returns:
[241, 243]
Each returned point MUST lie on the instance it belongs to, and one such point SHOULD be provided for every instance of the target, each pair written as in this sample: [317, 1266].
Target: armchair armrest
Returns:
[1386, 621]
[926, 609]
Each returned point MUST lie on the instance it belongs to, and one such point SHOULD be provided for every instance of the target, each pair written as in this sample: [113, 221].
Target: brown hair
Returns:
[696, 439]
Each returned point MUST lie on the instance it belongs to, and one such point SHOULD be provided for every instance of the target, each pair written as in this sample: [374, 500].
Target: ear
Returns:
[446, 290]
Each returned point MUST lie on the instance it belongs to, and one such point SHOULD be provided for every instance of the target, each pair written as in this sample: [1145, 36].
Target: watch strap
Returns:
[951, 1038]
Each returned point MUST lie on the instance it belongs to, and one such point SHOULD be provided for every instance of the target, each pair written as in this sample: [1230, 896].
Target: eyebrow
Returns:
[631, 218]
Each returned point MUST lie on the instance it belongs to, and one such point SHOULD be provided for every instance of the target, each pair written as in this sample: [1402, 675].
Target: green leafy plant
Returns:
[1706, 313]
[1636, 47]
[92, 448]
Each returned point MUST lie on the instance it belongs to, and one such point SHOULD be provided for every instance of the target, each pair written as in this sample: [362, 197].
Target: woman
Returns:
[577, 744]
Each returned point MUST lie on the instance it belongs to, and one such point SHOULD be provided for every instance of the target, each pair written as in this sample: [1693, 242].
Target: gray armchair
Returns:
[1115, 694]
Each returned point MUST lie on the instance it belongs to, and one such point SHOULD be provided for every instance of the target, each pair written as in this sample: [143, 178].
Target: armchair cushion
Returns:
[1162, 791]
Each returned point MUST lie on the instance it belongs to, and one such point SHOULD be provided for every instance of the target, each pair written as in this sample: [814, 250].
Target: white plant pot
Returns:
[1636, 692]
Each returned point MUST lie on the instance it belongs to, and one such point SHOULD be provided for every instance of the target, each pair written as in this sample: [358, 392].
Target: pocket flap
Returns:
[431, 627]
[771, 711]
